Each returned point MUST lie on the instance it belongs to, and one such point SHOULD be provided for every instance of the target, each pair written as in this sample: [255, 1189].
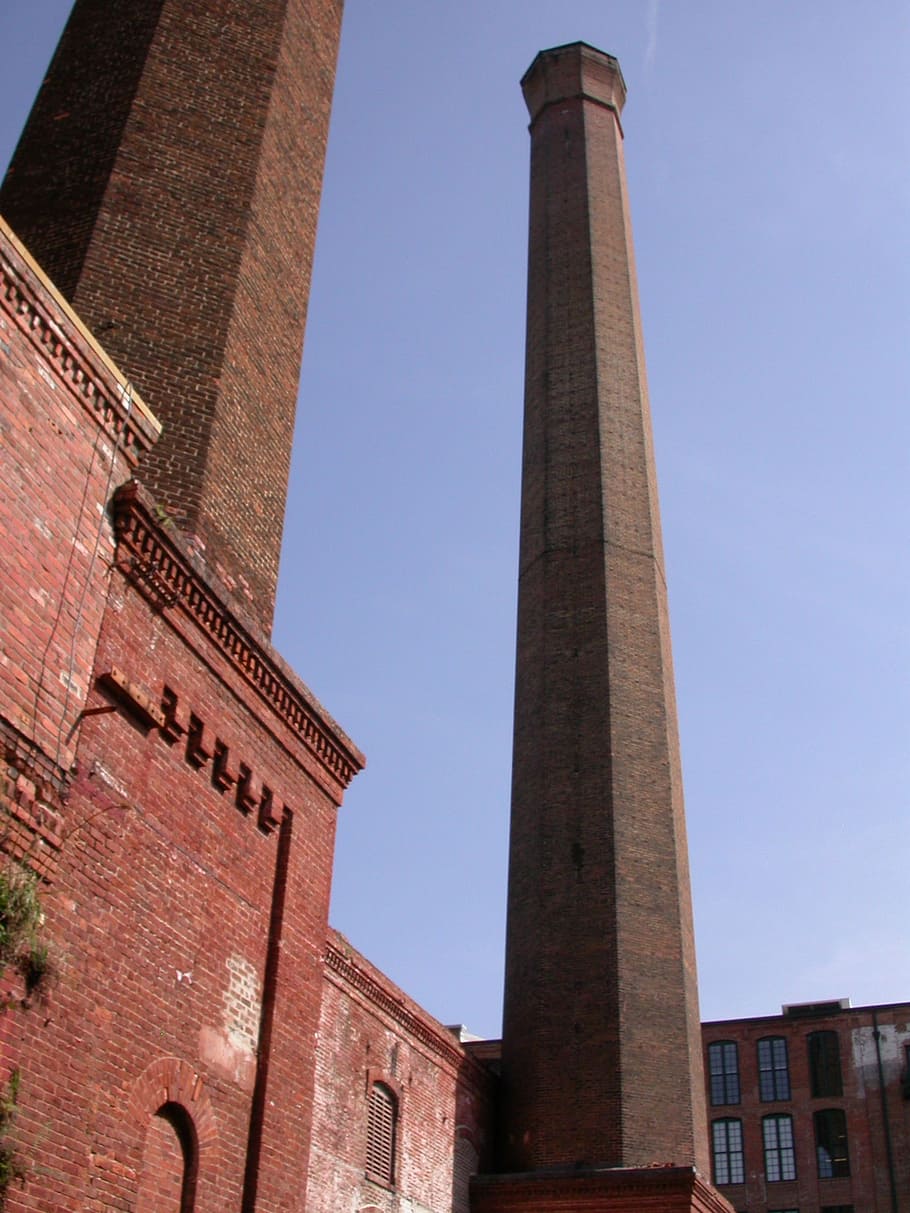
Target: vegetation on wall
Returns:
[10, 1167]
[21, 918]
[22, 949]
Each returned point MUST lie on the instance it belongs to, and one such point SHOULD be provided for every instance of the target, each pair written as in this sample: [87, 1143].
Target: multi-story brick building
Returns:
[809, 1110]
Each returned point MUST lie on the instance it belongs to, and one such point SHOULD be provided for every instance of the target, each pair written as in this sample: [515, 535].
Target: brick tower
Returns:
[602, 1084]
[168, 182]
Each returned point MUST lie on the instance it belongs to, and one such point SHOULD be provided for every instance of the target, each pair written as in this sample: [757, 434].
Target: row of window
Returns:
[777, 1141]
[825, 1077]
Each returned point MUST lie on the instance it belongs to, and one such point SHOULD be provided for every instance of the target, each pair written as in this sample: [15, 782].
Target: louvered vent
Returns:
[381, 1134]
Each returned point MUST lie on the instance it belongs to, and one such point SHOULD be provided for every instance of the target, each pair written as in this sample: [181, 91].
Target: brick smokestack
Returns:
[168, 181]
[601, 1048]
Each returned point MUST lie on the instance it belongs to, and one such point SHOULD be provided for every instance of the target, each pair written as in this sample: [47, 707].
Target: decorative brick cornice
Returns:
[344, 964]
[66, 346]
[155, 562]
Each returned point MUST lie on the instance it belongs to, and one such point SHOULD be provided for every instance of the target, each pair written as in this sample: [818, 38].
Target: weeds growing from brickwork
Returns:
[21, 918]
[22, 948]
[10, 1167]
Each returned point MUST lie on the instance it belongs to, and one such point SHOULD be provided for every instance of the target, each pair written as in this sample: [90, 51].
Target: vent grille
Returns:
[381, 1134]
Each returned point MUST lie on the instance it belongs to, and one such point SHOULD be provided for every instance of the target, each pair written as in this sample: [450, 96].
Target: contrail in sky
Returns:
[651, 46]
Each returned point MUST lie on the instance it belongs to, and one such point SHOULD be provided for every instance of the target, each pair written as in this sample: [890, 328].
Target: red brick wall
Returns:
[868, 1187]
[370, 1031]
[69, 436]
[605, 1190]
[193, 837]
[200, 292]
[165, 1167]
[161, 915]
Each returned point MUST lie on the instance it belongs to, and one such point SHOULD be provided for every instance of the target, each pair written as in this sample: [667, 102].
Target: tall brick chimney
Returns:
[601, 1043]
[168, 181]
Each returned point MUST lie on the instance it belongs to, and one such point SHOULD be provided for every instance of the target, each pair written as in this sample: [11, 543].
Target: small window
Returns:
[727, 1148]
[381, 1134]
[723, 1069]
[780, 1158]
[831, 1144]
[837, 1209]
[824, 1065]
[773, 1069]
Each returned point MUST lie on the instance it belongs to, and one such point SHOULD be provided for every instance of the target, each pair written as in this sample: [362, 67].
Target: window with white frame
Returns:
[780, 1156]
[723, 1071]
[727, 1151]
[773, 1069]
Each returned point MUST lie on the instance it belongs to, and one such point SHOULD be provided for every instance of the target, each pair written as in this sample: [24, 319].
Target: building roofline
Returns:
[806, 1014]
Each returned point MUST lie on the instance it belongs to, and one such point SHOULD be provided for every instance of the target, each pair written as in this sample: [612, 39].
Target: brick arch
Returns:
[468, 1133]
[374, 1075]
[170, 1080]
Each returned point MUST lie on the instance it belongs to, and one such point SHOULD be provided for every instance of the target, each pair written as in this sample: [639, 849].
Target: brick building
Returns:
[209, 1042]
[172, 783]
[809, 1110]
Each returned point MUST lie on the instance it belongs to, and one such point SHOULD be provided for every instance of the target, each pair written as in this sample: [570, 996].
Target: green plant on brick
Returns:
[20, 912]
[11, 1168]
[21, 918]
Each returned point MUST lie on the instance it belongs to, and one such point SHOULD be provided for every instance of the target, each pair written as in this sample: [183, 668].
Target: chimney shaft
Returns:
[168, 181]
[601, 1040]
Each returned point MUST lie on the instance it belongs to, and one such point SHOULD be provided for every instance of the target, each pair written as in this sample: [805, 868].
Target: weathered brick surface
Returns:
[876, 1108]
[163, 1179]
[188, 789]
[601, 1053]
[200, 293]
[70, 432]
[161, 914]
[619, 1190]
[370, 1031]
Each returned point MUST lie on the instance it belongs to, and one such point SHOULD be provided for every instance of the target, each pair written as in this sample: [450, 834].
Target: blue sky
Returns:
[767, 148]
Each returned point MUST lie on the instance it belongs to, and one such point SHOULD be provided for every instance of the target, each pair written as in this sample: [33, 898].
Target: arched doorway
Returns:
[170, 1163]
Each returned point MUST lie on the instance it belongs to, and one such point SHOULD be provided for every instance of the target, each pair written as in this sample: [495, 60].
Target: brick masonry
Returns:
[71, 430]
[193, 783]
[601, 1055]
[198, 293]
[622, 1190]
[208, 1041]
[194, 972]
[371, 1031]
[874, 1049]
[179, 792]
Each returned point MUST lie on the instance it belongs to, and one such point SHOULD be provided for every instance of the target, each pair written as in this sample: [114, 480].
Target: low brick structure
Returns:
[372, 1034]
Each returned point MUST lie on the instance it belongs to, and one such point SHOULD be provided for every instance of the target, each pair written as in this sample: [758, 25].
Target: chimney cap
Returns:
[576, 70]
